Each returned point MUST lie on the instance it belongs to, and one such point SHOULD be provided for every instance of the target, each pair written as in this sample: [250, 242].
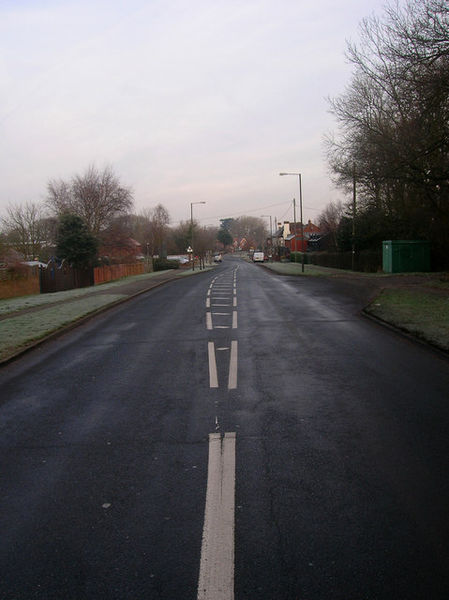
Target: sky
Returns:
[187, 100]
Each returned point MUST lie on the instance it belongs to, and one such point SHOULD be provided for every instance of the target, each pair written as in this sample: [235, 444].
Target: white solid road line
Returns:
[216, 579]
[233, 362]
[234, 319]
[213, 377]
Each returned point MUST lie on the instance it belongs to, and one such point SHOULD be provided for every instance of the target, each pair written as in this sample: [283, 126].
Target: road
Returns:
[234, 434]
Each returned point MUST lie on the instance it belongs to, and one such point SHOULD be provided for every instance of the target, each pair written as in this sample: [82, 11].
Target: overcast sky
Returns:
[187, 100]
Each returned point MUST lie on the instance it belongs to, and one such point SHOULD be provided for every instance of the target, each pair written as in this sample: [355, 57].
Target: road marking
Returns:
[216, 579]
[213, 377]
[234, 303]
[222, 314]
[209, 320]
[221, 327]
[233, 363]
[208, 303]
[234, 319]
[214, 304]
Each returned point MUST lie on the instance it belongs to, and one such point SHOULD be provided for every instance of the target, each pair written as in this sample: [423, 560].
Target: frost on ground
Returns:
[19, 331]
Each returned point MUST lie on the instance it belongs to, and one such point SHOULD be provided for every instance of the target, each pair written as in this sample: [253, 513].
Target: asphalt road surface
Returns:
[234, 434]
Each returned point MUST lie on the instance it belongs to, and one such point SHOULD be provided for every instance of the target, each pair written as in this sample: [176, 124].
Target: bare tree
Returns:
[152, 229]
[25, 228]
[253, 229]
[394, 120]
[329, 220]
[97, 197]
[205, 241]
[159, 222]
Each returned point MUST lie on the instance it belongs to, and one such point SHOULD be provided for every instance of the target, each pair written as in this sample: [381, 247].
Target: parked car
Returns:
[180, 258]
[217, 258]
[258, 257]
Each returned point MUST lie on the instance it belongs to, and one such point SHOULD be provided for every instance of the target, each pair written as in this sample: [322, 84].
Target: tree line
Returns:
[391, 149]
[90, 217]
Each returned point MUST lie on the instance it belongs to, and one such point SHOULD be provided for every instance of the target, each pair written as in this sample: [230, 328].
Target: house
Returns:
[125, 250]
[292, 237]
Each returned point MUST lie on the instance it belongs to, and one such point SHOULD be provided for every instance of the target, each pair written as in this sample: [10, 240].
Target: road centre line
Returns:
[234, 319]
[234, 303]
[216, 578]
[208, 320]
[207, 302]
[233, 364]
[213, 377]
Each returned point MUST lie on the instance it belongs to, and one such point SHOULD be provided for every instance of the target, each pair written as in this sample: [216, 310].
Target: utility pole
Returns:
[294, 221]
[354, 200]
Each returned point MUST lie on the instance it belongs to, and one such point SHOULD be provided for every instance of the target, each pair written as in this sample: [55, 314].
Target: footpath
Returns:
[30, 320]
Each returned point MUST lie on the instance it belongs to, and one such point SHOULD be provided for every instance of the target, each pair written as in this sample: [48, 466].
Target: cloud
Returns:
[187, 100]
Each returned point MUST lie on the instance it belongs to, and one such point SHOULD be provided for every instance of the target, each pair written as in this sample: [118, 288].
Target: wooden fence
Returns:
[58, 278]
[112, 272]
[13, 285]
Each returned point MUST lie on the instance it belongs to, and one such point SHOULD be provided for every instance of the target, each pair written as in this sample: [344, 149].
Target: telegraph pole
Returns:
[354, 200]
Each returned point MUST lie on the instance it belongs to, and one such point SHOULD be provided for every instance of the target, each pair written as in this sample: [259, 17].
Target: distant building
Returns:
[126, 250]
[290, 236]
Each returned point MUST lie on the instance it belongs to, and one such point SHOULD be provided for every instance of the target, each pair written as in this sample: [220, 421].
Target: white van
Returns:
[258, 257]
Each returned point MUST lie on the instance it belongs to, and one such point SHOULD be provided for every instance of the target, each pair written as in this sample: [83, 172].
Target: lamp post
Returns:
[300, 211]
[191, 232]
[271, 234]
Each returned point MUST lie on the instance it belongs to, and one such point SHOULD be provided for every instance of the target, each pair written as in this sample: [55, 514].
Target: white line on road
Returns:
[216, 579]
[207, 302]
[209, 320]
[234, 303]
[213, 377]
[233, 363]
[234, 319]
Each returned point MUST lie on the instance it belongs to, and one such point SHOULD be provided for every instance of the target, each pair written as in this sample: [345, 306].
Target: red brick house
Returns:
[292, 234]
[126, 250]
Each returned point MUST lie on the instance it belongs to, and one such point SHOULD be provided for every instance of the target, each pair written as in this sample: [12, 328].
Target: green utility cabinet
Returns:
[405, 256]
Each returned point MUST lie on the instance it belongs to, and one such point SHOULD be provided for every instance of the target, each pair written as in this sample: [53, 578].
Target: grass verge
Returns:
[423, 315]
[18, 332]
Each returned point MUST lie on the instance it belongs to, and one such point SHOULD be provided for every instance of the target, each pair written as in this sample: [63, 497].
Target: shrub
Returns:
[161, 264]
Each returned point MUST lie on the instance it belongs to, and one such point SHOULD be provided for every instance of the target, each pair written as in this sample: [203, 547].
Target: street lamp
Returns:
[271, 234]
[300, 210]
[191, 230]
